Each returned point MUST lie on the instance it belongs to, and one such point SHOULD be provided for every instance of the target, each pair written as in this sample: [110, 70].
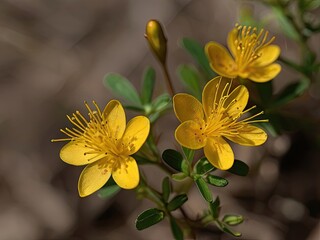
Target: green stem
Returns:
[168, 79]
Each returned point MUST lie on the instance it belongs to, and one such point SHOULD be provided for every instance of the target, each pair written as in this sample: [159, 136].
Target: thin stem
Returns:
[168, 79]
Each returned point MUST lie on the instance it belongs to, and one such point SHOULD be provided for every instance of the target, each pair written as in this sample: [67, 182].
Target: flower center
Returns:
[248, 45]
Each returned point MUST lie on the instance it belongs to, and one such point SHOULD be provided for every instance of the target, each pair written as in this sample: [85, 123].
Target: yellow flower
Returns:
[253, 55]
[204, 125]
[105, 143]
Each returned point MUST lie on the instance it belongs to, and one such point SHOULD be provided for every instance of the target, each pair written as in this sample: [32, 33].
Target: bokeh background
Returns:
[54, 55]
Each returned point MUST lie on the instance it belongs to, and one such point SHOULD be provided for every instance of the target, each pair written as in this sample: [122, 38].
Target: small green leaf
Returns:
[203, 166]
[177, 202]
[232, 220]
[191, 79]
[149, 79]
[134, 108]
[148, 218]
[173, 158]
[217, 181]
[122, 88]
[215, 208]
[204, 189]
[291, 92]
[265, 92]
[226, 229]
[161, 103]
[109, 189]
[176, 230]
[179, 176]
[189, 153]
[166, 189]
[197, 52]
[239, 168]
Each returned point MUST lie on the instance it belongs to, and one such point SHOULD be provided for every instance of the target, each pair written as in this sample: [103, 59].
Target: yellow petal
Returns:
[220, 60]
[75, 153]
[232, 36]
[127, 176]
[187, 107]
[237, 101]
[267, 55]
[213, 92]
[219, 153]
[115, 117]
[189, 134]
[249, 135]
[136, 134]
[264, 74]
[92, 178]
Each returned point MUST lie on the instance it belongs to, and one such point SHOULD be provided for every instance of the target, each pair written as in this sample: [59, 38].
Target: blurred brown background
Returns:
[53, 56]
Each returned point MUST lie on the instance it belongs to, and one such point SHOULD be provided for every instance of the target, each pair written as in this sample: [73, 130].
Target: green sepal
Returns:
[176, 230]
[226, 229]
[232, 220]
[148, 218]
[189, 153]
[191, 79]
[185, 167]
[173, 158]
[215, 208]
[197, 52]
[204, 189]
[239, 168]
[291, 92]
[109, 189]
[149, 79]
[177, 202]
[203, 166]
[166, 189]
[217, 181]
[122, 88]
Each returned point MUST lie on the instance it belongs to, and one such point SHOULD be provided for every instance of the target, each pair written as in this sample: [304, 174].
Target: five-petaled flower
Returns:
[204, 125]
[253, 55]
[104, 143]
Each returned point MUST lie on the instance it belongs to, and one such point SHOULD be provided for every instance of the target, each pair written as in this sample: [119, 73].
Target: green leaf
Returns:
[177, 202]
[232, 220]
[173, 158]
[239, 168]
[204, 189]
[197, 52]
[122, 88]
[148, 218]
[166, 189]
[134, 108]
[215, 208]
[265, 92]
[189, 153]
[185, 167]
[161, 103]
[109, 189]
[217, 181]
[149, 79]
[179, 176]
[191, 79]
[176, 230]
[226, 229]
[291, 92]
[203, 166]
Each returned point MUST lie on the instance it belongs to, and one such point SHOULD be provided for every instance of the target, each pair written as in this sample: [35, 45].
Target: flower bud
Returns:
[157, 40]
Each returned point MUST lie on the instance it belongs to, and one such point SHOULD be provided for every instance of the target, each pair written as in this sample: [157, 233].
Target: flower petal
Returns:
[127, 176]
[267, 55]
[264, 74]
[187, 107]
[219, 153]
[249, 135]
[220, 60]
[189, 134]
[213, 92]
[232, 36]
[136, 133]
[74, 153]
[237, 101]
[115, 117]
[92, 178]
